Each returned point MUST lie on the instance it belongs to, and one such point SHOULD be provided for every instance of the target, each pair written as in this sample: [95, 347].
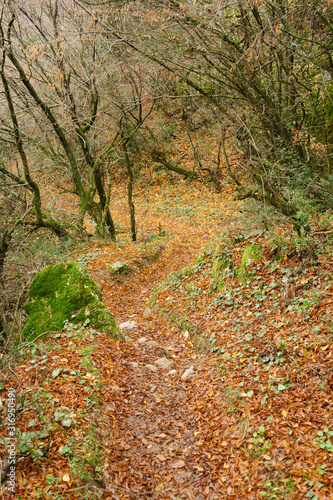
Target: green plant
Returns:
[87, 460]
[278, 488]
[232, 399]
[32, 443]
[323, 439]
[87, 362]
[65, 416]
[258, 443]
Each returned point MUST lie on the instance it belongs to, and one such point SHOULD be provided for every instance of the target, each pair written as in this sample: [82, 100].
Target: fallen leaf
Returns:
[178, 465]
[66, 478]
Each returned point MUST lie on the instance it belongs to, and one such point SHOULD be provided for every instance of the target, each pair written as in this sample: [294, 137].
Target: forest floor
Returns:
[253, 417]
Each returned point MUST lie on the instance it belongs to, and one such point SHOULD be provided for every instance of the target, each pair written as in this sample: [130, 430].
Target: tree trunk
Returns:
[130, 193]
[102, 196]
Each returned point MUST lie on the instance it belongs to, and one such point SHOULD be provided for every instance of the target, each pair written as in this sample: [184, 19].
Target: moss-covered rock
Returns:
[251, 253]
[119, 267]
[222, 264]
[63, 292]
[243, 276]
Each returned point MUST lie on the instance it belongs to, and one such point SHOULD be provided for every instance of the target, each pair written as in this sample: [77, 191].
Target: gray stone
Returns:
[164, 363]
[188, 373]
[119, 267]
[152, 368]
[142, 340]
[128, 327]
[153, 389]
[154, 343]
[134, 364]
[147, 312]
[172, 372]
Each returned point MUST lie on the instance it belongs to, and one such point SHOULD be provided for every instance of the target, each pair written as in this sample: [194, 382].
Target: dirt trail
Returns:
[148, 424]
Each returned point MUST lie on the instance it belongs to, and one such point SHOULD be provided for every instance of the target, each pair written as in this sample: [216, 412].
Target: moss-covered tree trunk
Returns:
[130, 192]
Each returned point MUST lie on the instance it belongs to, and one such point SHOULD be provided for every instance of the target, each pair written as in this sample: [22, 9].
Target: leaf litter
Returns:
[253, 421]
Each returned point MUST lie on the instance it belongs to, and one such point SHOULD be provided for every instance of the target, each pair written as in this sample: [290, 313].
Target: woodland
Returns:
[177, 156]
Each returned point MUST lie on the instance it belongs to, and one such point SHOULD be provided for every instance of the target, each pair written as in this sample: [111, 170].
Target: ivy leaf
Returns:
[56, 372]
[66, 422]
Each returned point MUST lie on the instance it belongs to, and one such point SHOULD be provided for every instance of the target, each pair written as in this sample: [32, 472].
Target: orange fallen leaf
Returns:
[66, 478]
[178, 465]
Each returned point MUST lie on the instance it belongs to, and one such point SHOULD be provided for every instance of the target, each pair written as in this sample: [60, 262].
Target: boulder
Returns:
[63, 292]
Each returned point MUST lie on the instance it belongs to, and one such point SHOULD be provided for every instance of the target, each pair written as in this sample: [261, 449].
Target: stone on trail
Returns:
[128, 339]
[147, 312]
[156, 344]
[172, 372]
[119, 267]
[152, 368]
[188, 373]
[65, 292]
[164, 363]
[128, 327]
[142, 340]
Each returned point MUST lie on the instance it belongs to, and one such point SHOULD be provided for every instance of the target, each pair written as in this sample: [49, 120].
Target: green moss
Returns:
[243, 276]
[62, 292]
[187, 271]
[251, 253]
[222, 264]
[86, 361]
[100, 318]
[119, 267]
[220, 285]
[87, 461]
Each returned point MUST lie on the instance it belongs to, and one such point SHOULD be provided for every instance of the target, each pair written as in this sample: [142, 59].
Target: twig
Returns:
[26, 344]
[322, 232]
